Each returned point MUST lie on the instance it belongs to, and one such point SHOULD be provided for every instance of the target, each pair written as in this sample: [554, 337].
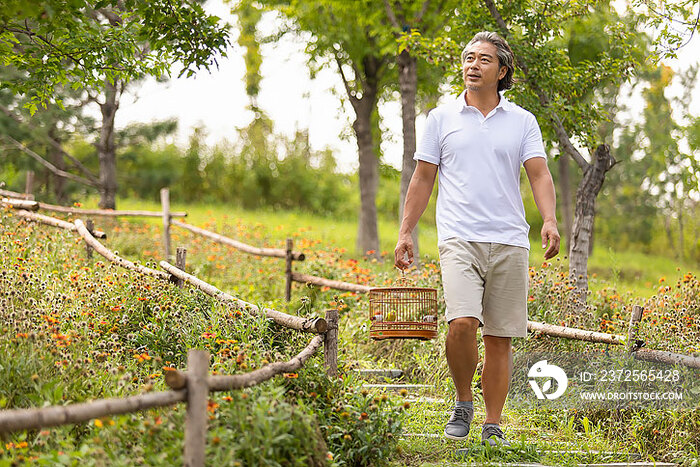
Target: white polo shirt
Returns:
[479, 161]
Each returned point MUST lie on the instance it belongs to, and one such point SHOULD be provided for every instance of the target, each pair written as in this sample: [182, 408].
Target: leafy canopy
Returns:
[553, 76]
[61, 43]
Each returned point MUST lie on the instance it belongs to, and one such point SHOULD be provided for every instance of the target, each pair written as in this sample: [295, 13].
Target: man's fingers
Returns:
[553, 249]
[403, 250]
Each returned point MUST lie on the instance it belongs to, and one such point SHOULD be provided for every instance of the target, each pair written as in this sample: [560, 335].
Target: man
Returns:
[479, 143]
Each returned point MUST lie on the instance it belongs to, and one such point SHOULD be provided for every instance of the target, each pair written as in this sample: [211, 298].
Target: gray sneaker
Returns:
[460, 421]
[493, 436]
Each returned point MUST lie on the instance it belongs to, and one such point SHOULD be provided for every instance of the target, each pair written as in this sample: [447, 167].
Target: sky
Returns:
[217, 101]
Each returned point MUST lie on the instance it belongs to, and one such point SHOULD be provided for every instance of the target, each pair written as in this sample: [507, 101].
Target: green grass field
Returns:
[628, 271]
[131, 328]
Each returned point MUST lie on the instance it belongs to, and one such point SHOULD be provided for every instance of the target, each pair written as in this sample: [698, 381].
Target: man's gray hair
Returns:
[505, 55]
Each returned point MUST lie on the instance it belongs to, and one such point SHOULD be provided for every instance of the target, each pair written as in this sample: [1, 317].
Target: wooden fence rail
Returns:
[30, 419]
[20, 204]
[34, 216]
[314, 325]
[574, 333]
[253, 250]
[118, 260]
[14, 194]
[192, 387]
[107, 212]
[333, 284]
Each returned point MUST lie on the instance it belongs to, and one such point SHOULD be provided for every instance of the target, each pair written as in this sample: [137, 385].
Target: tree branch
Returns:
[559, 130]
[49, 165]
[33, 36]
[91, 176]
[423, 11]
[391, 15]
[348, 89]
[113, 18]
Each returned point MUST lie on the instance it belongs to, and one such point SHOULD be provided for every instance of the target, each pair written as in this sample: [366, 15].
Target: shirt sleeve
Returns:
[532, 145]
[428, 149]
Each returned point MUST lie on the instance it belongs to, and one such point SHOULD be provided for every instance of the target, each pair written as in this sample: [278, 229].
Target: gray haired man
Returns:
[479, 142]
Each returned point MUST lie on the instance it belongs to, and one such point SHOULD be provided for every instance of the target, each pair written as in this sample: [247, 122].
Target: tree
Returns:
[428, 18]
[101, 48]
[562, 94]
[344, 34]
[672, 173]
[41, 137]
[53, 43]
[248, 17]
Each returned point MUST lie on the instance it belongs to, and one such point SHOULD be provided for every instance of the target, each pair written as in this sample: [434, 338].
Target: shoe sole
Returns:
[456, 438]
[495, 443]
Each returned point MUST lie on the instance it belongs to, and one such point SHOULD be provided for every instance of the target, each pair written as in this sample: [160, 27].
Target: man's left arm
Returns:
[545, 199]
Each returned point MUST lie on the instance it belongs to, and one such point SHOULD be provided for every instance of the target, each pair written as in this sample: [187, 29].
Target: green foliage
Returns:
[537, 33]
[75, 330]
[361, 428]
[674, 21]
[261, 428]
[103, 359]
[657, 189]
[55, 44]
[248, 17]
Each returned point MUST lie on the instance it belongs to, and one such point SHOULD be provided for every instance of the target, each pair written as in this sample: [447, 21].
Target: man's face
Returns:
[480, 70]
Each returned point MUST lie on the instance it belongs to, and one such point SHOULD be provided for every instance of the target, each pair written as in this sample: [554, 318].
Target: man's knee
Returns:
[497, 343]
[463, 327]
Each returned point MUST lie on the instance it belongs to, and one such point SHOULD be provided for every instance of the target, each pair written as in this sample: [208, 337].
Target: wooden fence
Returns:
[192, 386]
[291, 276]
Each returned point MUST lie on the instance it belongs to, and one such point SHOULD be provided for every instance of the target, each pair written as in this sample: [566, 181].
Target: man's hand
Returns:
[403, 247]
[550, 235]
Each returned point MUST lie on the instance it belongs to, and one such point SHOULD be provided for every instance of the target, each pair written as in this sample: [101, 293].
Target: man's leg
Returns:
[495, 377]
[462, 354]
[462, 357]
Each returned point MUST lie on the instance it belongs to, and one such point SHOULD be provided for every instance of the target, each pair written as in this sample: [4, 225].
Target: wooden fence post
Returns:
[288, 270]
[330, 343]
[165, 204]
[635, 318]
[180, 255]
[29, 182]
[196, 418]
[90, 226]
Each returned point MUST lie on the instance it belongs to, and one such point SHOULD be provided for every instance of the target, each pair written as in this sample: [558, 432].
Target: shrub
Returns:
[360, 429]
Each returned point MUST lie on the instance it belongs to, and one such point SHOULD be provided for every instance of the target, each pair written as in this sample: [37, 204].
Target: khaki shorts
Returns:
[487, 281]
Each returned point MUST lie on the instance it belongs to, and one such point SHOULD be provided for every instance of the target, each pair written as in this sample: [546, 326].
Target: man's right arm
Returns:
[417, 197]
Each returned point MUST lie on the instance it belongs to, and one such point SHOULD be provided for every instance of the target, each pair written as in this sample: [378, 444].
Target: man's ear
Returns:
[503, 72]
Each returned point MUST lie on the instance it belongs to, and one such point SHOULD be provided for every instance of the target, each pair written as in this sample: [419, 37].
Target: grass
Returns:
[329, 242]
[626, 271]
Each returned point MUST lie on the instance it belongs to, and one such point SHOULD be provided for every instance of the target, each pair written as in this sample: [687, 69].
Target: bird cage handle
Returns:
[403, 281]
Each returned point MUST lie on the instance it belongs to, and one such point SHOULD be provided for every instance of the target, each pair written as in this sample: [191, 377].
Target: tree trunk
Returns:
[565, 190]
[56, 158]
[681, 240]
[106, 148]
[667, 228]
[696, 242]
[408, 84]
[582, 229]
[365, 105]
[368, 231]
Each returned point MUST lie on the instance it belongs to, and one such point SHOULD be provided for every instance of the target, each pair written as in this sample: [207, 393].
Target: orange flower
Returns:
[291, 375]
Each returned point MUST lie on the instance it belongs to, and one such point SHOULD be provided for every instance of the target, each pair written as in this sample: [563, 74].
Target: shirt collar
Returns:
[504, 103]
